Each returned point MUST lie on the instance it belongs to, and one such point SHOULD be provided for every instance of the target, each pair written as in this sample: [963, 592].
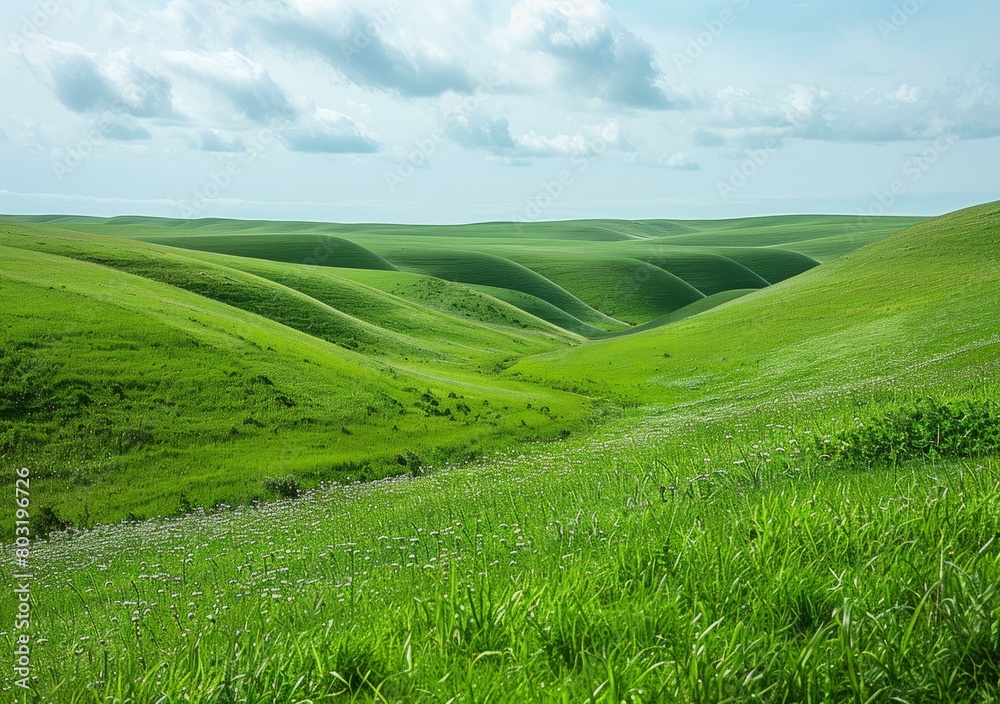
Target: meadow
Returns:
[766, 471]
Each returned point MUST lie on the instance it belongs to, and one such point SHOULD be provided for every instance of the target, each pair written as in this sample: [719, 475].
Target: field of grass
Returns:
[490, 270]
[607, 275]
[794, 498]
[139, 381]
[708, 273]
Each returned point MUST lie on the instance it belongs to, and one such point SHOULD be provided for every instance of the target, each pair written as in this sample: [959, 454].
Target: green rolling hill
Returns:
[777, 493]
[317, 250]
[116, 354]
[874, 311]
[490, 270]
[561, 272]
[707, 272]
[416, 331]
[625, 289]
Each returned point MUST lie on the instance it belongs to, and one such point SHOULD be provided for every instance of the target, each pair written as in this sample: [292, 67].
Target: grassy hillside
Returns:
[139, 381]
[490, 270]
[307, 308]
[316, 250]
[827, 236]
[445, 320]
[624, 289]
[707, 272]
[100, 425]
[800, 507]
[544, 310]
[689, 311]
[874, 311]
[599, 283]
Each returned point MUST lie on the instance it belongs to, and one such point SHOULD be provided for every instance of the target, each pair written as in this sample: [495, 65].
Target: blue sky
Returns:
[470, 110]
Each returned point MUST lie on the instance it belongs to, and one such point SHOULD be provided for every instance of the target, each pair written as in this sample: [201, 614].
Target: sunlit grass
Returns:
[621, 568]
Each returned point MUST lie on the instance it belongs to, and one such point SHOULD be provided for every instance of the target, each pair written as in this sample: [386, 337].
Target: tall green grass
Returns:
[617, 569]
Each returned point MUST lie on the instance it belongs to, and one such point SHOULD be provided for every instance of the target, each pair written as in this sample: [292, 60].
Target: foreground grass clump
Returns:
[928, 428]
[287, 487]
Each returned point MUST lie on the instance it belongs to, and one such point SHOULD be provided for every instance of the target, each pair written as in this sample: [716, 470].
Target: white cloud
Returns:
[677, 161]
[523, 81]
[87, 83]
[494, 136]
[355, 38]
[742, 120]
[479, 132]
[209, 140]
[124, 129]
[580, 48]
[680, 162]
[246, 84]
[330, 132]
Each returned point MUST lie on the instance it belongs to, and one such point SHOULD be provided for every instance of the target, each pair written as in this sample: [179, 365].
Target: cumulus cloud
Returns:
[679, 162]
[86, 83]
[743, 120]
[198, 64]
[494, 135]
[124, 129]
[676, 161]
[247, 85]
[210, 140]
[580, 46]
[566, 49]
[478, 132]
[353, 39]
[330, 132]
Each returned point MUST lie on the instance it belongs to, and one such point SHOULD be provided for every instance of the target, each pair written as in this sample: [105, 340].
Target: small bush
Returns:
[927, 429]
[47, 521]
[286, 487]
[184, 505]
[412, 461]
